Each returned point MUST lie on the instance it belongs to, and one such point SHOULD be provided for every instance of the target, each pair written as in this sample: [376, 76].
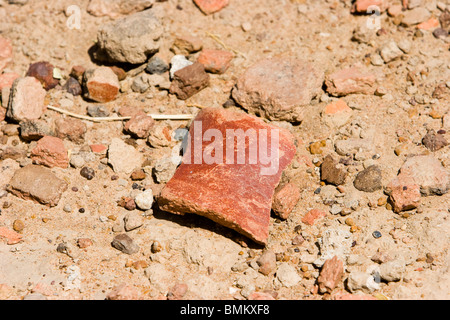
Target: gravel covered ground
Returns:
[360, 211]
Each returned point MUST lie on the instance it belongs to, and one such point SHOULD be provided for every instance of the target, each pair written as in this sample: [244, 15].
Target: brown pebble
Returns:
[18, 225]
[84, 243]
[349, 222]
[156, 247]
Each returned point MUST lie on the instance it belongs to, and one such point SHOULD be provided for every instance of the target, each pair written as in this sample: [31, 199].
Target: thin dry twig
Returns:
[217, 39]
[103, 119]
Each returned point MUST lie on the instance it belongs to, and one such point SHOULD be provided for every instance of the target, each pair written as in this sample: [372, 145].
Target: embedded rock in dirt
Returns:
[369, 180]
[101, 84]
[362, 6]
[37, 183]
[350, 80]
[115, 8]
[231, 190]
[278, 88]
[122, 157]
[140, 125]
[425, 171]
[131, 39]
[34, 130]
[26, 100]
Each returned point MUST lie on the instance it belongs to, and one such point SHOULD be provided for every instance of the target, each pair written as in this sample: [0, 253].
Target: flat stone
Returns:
[415, 16]
[131, 39]
[369, 180]
[124, 243]
[235, 195]
[425, 171]
[37, 183]
[361, 6]
[331, 171]
[189, 81]
[122, 157]
[186, 44]
[26, 100]
[116, 8]
[353, 145]
[330, 275]
[50, 152]
[434, 141]
[101, 84]
[312, 216]
[211, 6]
[71, 129]
[277, 88]
[285, 199]
[349, 81]
[10, 236]
[215, 61]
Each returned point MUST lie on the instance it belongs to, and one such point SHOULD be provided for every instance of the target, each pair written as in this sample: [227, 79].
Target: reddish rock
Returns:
[26, 101]
[7, 80]
[331, 171]
[98, 148]
[350, 80]
[140, 125]
[394, 10]
[211, 6]
[77, 72]
[127, 203]
[431, 23]
[425, 171]
[43, 71]
[189, 80]
[405, 197]
[330, 275]
[177, 292]
[277, 88]
[215, 61]
[6, 52]
[50, 152]
[311, 216]
[123, 292]
[38, 184]
[10, 236]
[337, 106]
[285, 199]
[361, 6]
[83, 243]
[234, 192]
[130, 111]
[70, 128]
[101, 84]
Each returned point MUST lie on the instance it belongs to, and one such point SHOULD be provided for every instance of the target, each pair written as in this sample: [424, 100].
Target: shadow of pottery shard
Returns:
[350, 80]
[211, 6]
[230, 180]
[131, 39]
[277, 88]
[37, 183]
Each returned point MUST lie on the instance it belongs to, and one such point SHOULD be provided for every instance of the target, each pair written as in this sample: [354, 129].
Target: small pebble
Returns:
[18, 225]
[67, 208]
[87, 173]
[81, 210]
[376, 234]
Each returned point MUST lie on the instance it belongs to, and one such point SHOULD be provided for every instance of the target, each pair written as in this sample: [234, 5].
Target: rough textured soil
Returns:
[211, 261]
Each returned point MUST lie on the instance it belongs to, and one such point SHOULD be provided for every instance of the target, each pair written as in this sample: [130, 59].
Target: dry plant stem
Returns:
[103, 119]
[216, 38]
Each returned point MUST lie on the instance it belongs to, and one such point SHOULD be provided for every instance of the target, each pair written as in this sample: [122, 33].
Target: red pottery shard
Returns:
[234, 188]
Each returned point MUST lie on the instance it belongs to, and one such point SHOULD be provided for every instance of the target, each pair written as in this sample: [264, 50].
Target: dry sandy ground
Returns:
[196, 251]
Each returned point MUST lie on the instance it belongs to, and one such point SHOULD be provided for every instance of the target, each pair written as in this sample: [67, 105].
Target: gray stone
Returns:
[97, 111]
[124, 243]
[369, 180]
[157, 66]
[131, 39]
